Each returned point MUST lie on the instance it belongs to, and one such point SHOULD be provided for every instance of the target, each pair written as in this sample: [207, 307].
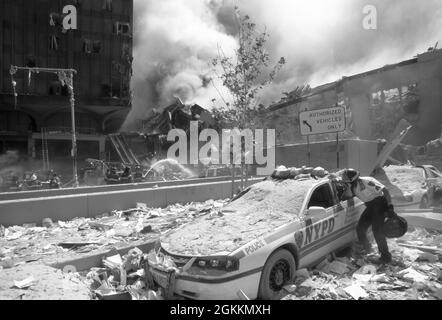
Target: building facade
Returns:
[100, 50]
[377, 102]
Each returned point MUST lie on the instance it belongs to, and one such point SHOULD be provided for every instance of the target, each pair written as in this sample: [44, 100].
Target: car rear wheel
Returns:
[425, 203]
[278, 271]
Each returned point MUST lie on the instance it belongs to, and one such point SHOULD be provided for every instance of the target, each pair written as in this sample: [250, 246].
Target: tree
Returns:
[245, 75]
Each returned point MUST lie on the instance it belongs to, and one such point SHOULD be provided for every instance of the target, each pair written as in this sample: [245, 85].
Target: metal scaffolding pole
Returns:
[66, 77]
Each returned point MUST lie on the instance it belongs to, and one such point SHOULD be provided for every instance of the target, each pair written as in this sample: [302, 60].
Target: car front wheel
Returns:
[278, 271]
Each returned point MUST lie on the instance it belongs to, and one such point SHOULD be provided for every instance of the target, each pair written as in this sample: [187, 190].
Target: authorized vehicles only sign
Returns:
[322, 121]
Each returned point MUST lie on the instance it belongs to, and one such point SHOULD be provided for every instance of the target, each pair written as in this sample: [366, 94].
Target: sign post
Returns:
[331, 120]
[337, 149]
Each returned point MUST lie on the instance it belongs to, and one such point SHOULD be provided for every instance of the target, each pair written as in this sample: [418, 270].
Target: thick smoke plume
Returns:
[322, 40]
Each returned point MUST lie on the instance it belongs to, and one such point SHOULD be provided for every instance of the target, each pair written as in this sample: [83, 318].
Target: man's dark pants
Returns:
[374, 216]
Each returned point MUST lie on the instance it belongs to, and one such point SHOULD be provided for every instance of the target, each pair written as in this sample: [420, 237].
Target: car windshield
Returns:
[285, 196]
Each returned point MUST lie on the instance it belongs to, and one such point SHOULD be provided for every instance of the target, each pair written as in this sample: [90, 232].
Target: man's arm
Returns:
[390, 212]
[348, 194]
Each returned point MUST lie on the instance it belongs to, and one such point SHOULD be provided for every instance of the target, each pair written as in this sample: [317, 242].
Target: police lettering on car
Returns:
[313, 232]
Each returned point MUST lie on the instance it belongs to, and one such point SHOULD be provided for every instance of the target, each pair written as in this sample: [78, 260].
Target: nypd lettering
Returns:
[314, 232]
[256, 245]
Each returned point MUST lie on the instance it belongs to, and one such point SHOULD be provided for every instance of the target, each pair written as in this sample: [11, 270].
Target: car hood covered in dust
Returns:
[266, 206]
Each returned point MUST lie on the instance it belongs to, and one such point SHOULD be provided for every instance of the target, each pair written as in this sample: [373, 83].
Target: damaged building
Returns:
[100, 49]
[376, 102]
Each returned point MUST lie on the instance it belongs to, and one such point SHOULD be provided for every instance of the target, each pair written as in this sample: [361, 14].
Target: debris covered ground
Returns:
[60, 239]
[51, 242]
[415, 273]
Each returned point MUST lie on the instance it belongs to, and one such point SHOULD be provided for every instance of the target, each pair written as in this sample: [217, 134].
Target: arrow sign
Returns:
[307, 124]
[329, 120]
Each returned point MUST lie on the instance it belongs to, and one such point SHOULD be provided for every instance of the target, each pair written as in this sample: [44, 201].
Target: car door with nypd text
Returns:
[321, 224]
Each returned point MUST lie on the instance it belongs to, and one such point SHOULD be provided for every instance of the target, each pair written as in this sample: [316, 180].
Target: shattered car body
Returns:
[411, 187]
[255, 243]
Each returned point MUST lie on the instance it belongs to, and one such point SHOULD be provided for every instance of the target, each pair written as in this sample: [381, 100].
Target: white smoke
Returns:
[175, 41]
[322, 40]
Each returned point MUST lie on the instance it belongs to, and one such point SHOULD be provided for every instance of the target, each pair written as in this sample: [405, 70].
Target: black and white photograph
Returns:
[237, 152]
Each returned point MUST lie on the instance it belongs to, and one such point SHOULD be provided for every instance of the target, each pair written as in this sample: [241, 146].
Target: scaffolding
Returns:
[66, 77]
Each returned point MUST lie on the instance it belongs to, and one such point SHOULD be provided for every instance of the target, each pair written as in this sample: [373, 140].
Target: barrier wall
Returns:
[357, 154]
[67, 207]
[104, 188]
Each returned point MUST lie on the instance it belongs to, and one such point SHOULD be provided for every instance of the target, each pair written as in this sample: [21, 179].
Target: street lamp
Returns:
[66, 77]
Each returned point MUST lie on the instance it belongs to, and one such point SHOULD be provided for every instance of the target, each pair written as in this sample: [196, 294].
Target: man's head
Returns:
[350, 176]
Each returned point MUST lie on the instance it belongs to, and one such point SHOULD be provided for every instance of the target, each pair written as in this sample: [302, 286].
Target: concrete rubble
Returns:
[65, 239]
[414, 274]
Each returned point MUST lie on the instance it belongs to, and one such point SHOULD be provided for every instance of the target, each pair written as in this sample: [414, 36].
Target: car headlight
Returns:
[220, 263]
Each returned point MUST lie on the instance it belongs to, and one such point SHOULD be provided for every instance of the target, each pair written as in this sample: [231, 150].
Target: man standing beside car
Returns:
[378, 204]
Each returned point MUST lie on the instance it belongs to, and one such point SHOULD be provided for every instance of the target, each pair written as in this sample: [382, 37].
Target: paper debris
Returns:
[426, 256]
[26, 283]
[338, 267]
[362, 278]
[356, 292]
[367, 269]
[290, 288]
[113, 261]
[412, 275]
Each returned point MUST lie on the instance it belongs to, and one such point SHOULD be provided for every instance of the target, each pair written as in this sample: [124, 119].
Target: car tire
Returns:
[279, 269]
[425, 203]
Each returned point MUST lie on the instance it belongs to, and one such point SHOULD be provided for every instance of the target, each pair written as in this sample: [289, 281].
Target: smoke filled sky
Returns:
[321, 40]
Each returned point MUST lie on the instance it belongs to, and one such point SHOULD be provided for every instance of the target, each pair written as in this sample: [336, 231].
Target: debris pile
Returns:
[40, 282]
[415, 273]
[27, 243]
[128, 277]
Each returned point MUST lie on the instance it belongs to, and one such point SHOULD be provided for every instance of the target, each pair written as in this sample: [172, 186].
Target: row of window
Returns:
[89, 46]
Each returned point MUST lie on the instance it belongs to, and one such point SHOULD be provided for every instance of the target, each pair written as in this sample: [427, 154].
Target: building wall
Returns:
[26, 35]
[101, 85]
[356, 94]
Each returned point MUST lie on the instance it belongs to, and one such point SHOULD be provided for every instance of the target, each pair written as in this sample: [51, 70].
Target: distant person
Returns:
[126, 176]
[378, 204]
[112, 176]
[138, 174]
[55, 182]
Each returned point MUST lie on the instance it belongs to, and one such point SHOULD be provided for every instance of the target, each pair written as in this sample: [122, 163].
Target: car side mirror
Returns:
[316, 211]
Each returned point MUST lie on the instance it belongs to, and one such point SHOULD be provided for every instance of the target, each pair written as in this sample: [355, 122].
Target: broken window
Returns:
[55, 19]
[322, 197]
[96, 46]
[389, 106]
[53, 42]
[87, 46]
[107, 5]
[91, 46]
[122, 28]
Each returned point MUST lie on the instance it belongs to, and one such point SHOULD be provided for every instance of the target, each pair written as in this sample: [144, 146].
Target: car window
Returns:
[322, 197]
[434, 174]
